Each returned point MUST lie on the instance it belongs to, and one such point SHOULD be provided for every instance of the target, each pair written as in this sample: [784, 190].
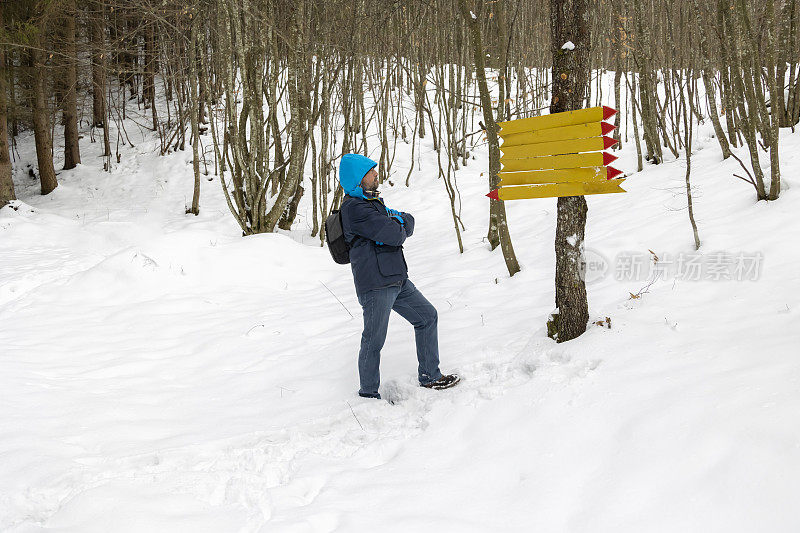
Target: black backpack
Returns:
[334, 236]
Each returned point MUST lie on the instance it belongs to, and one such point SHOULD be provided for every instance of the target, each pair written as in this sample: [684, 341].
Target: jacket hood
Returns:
[352, 169]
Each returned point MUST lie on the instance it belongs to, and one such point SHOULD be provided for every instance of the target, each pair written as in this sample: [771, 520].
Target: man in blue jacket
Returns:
[376, 235]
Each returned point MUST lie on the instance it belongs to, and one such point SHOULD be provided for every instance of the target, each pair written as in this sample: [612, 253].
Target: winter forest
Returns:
[180, 352]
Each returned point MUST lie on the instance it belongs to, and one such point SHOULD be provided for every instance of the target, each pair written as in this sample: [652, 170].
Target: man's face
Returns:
[370, 181]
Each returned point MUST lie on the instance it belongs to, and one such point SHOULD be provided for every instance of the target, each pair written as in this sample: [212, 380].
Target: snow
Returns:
[162, 373]
[569, 45]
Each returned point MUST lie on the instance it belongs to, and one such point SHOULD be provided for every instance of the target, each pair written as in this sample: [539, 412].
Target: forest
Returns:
[174, 334]
[280, 89]
[274, 88]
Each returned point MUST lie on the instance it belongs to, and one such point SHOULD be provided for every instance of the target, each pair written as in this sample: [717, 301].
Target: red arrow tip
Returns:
[608, 112]
[608, 142]
[494, 195]
[612, 172]
[607, 128]
[608, 158]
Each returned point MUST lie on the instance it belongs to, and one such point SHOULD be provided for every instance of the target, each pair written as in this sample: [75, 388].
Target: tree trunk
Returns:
[688, 125]
[726, 80]
[775, 79]
[714, 114]
[745, 78]
[647, 86]
[6, 183]
[194, 109]
[69, 102]
[97, 29]
[617, 104]
[99, 74]
[130, 54]
[299, 104]
[636, 136]
[498, 226]
[149, 84]
[569, 21]
[41, 120]
[711, 91]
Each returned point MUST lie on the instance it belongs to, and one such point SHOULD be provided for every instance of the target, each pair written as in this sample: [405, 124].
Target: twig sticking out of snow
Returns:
[354, 416]
[337, 299]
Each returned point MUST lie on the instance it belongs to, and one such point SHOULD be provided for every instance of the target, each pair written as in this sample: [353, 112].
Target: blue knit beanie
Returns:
[352, 169]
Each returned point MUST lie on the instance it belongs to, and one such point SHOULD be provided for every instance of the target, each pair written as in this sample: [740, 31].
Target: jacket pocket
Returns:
[390, 260]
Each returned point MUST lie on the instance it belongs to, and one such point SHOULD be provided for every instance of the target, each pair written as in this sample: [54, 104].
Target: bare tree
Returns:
[38, 94]
[569, 23]
[498, 226]
[6, 183]
[69, 83]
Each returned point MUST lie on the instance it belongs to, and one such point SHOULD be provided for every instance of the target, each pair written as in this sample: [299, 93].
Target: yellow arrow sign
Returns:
[581, 131]
[593, 159]
[556, 120]
[573, 146]
[550, 190]
[564, 175]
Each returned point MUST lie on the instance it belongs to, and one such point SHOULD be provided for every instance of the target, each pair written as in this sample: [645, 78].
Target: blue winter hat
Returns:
[352, 169]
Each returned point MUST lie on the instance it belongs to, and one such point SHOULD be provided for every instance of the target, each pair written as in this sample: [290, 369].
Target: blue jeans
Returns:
[409, 303]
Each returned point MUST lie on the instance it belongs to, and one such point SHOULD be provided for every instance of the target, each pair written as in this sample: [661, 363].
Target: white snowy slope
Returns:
[158, 372]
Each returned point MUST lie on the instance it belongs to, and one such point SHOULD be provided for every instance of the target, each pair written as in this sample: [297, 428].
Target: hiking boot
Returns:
[444, 382]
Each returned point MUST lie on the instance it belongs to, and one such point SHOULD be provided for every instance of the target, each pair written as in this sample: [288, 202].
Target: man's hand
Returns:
[393, 213]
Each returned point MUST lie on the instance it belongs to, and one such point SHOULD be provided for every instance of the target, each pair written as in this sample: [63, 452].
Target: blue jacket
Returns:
[366, 223]
[376, 239]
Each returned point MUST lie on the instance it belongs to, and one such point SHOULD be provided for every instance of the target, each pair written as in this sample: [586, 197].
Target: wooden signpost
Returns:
[557, 155]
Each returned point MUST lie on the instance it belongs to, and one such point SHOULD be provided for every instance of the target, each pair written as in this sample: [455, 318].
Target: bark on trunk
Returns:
[41, 121]
[569, 21]
[96, 37]
[6, 183]
[193, 112]
[713, 113]
[69, 103]
[149, 84]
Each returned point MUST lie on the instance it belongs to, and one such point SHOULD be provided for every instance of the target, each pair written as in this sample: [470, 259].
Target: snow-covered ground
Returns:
[161, 373]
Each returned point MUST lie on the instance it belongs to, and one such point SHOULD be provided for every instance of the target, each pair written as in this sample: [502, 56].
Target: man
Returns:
[376, 235]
